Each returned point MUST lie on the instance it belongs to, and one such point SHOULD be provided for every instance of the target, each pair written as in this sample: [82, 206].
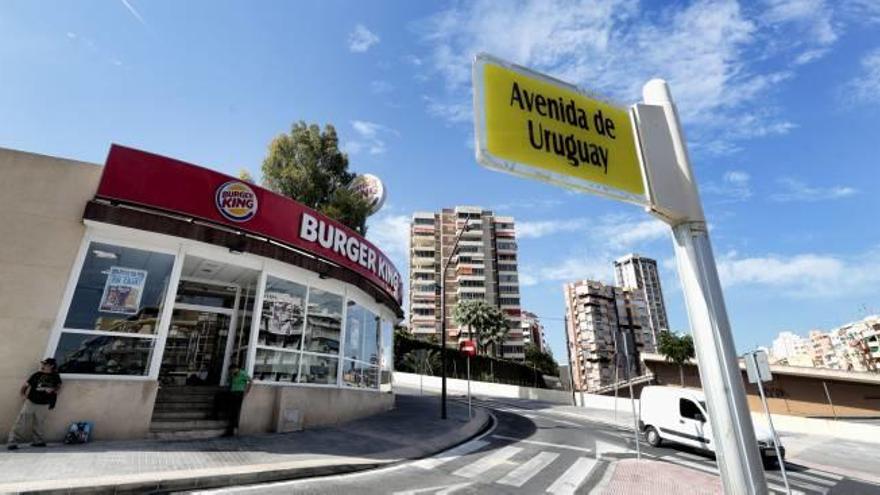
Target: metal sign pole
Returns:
[469, 386]
[733, 432]
[760, 382]
[632, 398]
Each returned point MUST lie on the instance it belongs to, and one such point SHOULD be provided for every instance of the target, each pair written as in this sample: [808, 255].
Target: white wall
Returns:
[459, 387]
[788, 424]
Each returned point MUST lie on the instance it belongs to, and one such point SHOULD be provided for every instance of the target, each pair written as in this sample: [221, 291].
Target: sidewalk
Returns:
[645, 477]
[412, 430]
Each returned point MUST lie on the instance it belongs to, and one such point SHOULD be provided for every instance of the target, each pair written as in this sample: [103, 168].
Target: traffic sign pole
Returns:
[752, 358]
[734, 435]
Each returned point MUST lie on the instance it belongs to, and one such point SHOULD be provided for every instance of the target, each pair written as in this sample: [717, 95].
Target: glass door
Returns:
[195, 349]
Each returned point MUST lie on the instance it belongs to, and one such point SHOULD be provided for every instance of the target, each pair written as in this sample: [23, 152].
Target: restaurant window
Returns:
[362, 335]
[300, 328]
[114, 314]
[282, 320]
[324, 322]
[386, 366]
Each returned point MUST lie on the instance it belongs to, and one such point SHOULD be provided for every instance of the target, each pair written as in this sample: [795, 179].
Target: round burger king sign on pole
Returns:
[236, 201]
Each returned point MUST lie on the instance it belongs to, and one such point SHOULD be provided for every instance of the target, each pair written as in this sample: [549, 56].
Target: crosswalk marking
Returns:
[487, 462]
[545, 444]
[522, 474]
[437, 490]
[572, 478]
[432, 462]
[781, 488]
[772, 480]
[801, 483]
[816, 478]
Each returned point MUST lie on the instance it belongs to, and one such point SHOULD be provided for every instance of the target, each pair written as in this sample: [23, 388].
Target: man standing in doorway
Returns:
[39, 392]
[239, 385]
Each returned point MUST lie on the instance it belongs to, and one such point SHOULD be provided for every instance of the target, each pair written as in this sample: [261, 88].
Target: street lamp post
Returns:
[443, 267]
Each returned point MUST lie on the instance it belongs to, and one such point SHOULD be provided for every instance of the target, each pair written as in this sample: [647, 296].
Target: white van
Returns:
[679, 415]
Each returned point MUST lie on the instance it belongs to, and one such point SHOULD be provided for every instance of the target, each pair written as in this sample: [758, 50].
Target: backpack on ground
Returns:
[78, 432]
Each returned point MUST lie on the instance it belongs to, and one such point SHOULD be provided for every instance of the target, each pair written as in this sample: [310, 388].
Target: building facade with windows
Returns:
[640, 273]
[483, 267]
[148, 277]
[603, 323]
[533, 331]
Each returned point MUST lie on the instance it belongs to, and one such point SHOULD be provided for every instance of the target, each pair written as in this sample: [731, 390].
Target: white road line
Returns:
[487, 462]
[447, 489]
[690, 464]
[432, 462]
[572, 478]
[544, 444]
[521, 475]
[816, 478]
[694, 457]
[567, 423]
[603, 448]
[781, 488]
[796, 481]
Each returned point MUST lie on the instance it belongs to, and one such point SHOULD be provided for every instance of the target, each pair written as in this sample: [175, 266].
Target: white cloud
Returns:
[390, 233]
[709, 51]
[534, 230]
[456, 112]
[797, 190]
[381, 87]
[134, 12]
[806, 275]
[735, 186]
[361, 39]
[370, 138]
[865, 88]
[604, 239]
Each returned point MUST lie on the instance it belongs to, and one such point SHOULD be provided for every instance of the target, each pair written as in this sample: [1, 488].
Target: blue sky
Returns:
[780, 102]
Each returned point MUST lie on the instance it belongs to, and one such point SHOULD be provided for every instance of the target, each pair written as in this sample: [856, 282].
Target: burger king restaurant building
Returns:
[146, 278]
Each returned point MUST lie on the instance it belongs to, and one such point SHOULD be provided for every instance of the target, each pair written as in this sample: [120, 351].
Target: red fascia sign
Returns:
[153, 181]
[468, 347]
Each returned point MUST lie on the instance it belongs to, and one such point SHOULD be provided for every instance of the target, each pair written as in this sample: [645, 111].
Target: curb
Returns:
[183, 480]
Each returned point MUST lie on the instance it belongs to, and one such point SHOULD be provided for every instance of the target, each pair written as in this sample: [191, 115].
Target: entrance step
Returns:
[188, 424]
[187, 434]
[181, 414]
[187, 412]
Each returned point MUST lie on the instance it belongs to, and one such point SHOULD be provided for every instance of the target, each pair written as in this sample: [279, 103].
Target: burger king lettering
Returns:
[337, 240]
[236, 201]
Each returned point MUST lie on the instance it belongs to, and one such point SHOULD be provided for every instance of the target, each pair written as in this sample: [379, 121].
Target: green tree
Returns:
[543, 361]
[484, 321]
[306, 165]
[677, 349]
[245, 175]
[422, 361]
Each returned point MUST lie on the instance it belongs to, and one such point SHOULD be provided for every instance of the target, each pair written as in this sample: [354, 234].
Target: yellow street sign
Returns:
[532, 125]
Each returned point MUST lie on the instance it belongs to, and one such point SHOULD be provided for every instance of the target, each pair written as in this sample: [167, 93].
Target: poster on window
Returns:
[123, 290]
[282, 313]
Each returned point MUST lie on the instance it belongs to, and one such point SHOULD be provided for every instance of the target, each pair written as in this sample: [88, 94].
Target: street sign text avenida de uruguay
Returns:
[532, 125]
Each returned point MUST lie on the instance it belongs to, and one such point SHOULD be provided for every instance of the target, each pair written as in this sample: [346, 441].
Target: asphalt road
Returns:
[533, 449]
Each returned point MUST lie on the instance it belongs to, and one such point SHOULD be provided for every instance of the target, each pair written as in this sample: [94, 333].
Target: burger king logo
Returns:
[236, 201]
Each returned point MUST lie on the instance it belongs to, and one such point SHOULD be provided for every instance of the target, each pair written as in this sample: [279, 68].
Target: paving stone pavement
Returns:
[646, 477]
[413, 429]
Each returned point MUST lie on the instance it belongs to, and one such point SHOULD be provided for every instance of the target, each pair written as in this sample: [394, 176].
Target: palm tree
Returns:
[483, 320]
[677, 349]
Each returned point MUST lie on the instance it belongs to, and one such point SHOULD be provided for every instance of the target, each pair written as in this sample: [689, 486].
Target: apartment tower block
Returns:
[640, 274]
[483, 267]
[603, 322]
